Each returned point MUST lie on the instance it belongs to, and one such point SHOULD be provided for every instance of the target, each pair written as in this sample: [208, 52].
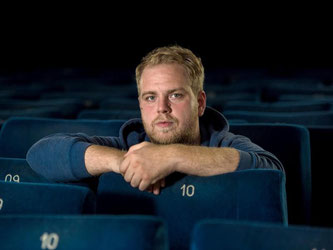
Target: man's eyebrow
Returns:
[148, 93]
[175, 90]
[169, 91]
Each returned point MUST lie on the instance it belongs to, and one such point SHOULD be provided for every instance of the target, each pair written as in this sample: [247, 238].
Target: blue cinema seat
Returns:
[120, 103]
[82, 232]
[255, 195]
[221, 99]
[18, 170]
[291, 144]
[224, 234]
[102, 114]
[68, 107]
[301, 118]
[46, 112]
[17, 135]
[276, 106]
[42, 198]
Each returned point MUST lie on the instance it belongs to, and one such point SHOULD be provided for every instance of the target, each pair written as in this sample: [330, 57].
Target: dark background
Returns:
[280, 40]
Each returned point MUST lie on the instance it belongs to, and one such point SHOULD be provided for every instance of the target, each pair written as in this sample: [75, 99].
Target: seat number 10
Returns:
[49, 241]
[188, 190]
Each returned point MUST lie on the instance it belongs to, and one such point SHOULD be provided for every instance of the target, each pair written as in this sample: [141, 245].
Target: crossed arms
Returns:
[145, 165]
[72, 157]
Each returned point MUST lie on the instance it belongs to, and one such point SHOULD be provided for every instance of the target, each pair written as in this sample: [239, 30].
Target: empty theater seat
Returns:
[42, 198]
[109, 114]
[276, 106]
[301, 118]
[82, 232]
[18, 170]
[223, 234]
[120, 103]
[291, 144]
[17, 135]
[257, 195]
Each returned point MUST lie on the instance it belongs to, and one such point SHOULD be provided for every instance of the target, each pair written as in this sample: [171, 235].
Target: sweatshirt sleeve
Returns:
[60, 157]
[252, 156]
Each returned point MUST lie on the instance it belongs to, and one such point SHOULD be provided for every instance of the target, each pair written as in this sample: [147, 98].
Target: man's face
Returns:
[169, 109]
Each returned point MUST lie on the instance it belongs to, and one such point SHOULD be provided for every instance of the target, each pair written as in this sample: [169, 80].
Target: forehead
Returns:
[164, 75]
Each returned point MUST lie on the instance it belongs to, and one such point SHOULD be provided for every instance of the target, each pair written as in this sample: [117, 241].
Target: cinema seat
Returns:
[120, 103]
[255, 195]
[102, 114]
[82, 232]
[276, 106]
[291, 145]
[17, 135]
[42, 198]
[300, 118]
[223, 234]
[18, 170]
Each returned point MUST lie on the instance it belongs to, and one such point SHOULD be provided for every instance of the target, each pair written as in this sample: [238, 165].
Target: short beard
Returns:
[187, 136]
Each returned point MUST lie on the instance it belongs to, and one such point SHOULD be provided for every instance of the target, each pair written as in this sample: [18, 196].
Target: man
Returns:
[177, 133]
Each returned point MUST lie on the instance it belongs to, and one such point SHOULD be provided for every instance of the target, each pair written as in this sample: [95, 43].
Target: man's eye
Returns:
[176, 96]
[150, 98]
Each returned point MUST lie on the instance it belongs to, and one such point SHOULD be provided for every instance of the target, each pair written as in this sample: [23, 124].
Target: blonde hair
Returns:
[174, 54]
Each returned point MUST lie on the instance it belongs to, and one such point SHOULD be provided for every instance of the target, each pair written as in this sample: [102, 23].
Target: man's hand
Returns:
[156, 188]
[146, 165]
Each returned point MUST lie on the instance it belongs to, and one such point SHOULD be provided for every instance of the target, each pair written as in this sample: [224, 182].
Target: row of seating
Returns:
[253, 195]
[149, 232]
[263, 94]
[249, 201]
[293, 150]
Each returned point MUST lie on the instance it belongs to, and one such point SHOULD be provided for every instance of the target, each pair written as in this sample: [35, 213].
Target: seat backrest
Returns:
[18, 170]
[42, 198]
[246, 195]
[276, 106]
[102, 114]
[301, 118]
[291, 144]
[222, 234]
[82, 232]
[119, 103]
[18, 134]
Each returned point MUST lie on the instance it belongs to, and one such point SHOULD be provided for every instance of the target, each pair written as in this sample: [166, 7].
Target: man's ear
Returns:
[201, 102]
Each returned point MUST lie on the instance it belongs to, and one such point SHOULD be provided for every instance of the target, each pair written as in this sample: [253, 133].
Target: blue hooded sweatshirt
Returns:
[60, 157]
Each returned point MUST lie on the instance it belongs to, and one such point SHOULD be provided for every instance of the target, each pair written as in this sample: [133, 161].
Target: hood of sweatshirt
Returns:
[213, 126]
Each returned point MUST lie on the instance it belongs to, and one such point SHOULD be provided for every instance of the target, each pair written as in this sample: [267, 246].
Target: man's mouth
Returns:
[164, 124]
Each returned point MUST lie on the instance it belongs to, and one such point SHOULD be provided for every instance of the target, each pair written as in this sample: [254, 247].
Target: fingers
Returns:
[156, 188]
[136, 147]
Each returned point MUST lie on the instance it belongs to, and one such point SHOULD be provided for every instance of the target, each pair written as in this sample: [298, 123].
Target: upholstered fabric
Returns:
[257, 195]
[222, 234]
[42, 198]
[83, 232]
[17, 135]
[18, 170]
[301, 118]
[291, 144]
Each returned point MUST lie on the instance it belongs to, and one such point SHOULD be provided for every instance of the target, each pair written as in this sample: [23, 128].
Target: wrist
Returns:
[115, 159]
[175, 156]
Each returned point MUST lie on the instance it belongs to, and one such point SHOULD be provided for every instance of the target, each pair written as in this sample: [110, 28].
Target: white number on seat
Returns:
[15, 178]
[188, 190]
[49, 241]
[1, 203]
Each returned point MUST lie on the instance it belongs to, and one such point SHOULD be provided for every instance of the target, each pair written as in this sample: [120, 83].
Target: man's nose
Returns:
[163, 105]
